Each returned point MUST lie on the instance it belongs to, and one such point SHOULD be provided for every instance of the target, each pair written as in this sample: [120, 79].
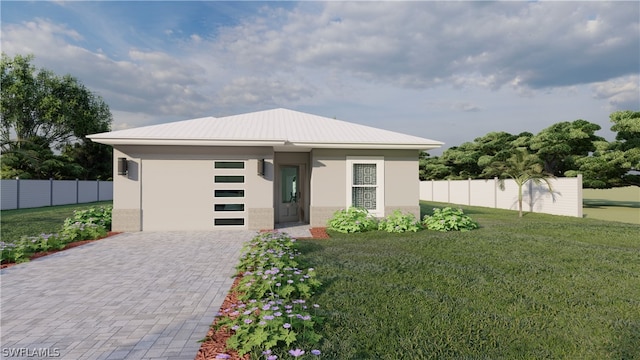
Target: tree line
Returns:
[566, 148]
[44, 122]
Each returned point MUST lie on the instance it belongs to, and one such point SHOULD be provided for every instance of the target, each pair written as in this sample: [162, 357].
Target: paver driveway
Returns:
[130, 296]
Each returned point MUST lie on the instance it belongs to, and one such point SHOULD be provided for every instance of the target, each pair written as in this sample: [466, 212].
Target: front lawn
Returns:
[34, 221]
[540, 286]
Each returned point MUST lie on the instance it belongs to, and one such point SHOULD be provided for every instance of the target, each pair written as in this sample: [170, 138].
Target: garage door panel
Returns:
[176, 195]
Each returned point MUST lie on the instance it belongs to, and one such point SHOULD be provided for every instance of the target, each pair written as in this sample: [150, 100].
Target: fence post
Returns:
[469, 192]
[98, 189]
[50, 191]
[17, 192]
[580, 199]
[77, 191]
[495, 192]
[433, 182]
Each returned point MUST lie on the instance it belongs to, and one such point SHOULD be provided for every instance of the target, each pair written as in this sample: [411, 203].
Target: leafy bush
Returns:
[449, 219]
[78, 231]
[95, 215]
[399, 223]
[271, 313]
[84, 225]
[352, 220]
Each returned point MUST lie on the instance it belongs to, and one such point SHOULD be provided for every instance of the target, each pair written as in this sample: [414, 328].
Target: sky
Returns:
[448, 71]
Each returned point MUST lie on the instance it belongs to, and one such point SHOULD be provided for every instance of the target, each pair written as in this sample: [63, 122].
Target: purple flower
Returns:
[277, 313]
[268, 317]
[235, 327]
[248, 321]
[272, 357]
[296, 352]
[286, 325]
[223, 356]
[316, 352]
[267, 352]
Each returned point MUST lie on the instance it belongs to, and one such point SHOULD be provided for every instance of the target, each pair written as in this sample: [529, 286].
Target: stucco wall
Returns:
[328, 181]
[171, 187]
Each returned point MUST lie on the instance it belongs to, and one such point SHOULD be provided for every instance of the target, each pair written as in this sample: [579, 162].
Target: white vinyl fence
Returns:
[565, 200]
[19, 194]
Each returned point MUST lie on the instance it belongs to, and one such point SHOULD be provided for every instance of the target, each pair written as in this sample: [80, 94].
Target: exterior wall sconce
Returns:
[261, 167]
[123, 166]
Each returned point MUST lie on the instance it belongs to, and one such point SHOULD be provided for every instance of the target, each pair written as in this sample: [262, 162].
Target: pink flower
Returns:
[296, 352]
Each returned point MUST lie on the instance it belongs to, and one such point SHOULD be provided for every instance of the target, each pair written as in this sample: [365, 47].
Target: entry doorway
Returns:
[291, 192]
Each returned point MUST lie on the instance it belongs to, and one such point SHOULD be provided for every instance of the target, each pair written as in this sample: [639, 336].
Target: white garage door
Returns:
[193, 195]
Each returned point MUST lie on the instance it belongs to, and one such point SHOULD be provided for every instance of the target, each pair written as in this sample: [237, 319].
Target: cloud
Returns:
[153, 82]
[425, 44]
[253, 91]
[621, 93]
[437, 62]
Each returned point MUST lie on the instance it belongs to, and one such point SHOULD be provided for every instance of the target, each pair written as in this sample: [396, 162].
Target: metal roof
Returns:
[281, 128]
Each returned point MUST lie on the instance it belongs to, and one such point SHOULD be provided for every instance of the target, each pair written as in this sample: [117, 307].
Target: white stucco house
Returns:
[252, 171]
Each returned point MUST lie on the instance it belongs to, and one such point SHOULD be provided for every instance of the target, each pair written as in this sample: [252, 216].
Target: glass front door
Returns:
[289, 194]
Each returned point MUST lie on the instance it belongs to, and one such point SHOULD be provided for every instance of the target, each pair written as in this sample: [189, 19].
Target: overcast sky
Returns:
[448, 71]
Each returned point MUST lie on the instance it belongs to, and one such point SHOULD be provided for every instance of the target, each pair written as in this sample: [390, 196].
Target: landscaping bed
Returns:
[265, 312]
[67, 247]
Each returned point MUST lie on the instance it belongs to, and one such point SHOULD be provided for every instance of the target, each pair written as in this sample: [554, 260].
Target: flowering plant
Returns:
[448, 219]
[352, 220]
[83, 225]
[271, 313]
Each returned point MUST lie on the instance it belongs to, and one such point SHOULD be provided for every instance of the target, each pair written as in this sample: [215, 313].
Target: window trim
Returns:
[375, 160]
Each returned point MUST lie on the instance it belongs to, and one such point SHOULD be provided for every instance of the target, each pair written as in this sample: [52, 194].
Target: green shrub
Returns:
[78, 231]
[449, 219]
[399, 223]
[95, 215]
[352, 220]
[88, 224]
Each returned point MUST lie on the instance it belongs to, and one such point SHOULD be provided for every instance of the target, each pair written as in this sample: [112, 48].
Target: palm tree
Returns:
[522, 167]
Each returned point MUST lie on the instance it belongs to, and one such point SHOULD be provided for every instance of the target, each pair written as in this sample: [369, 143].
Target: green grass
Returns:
[16, 223]
[617, 204]
[541, 286]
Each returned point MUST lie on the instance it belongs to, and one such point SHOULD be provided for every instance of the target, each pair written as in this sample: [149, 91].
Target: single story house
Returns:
[252, 171]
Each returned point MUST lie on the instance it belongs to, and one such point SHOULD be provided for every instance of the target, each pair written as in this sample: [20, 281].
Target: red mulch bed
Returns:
[319, 233]
[67, 247]
[216, 342]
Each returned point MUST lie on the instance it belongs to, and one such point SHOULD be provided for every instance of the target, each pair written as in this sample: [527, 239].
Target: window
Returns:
[229, 193]
[229, 207]
[229, 221]
[229, 165]
[229, 179]
[365, 181]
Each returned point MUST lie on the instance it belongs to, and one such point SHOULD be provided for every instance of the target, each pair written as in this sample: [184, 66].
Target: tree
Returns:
[559, 145]
[611, 163]
[43, 114]
[522, 167]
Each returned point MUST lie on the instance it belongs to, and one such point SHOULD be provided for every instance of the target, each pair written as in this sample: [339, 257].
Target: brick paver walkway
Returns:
[130, 296]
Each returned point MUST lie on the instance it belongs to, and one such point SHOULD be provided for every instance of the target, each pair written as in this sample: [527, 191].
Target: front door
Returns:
[290, 194]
